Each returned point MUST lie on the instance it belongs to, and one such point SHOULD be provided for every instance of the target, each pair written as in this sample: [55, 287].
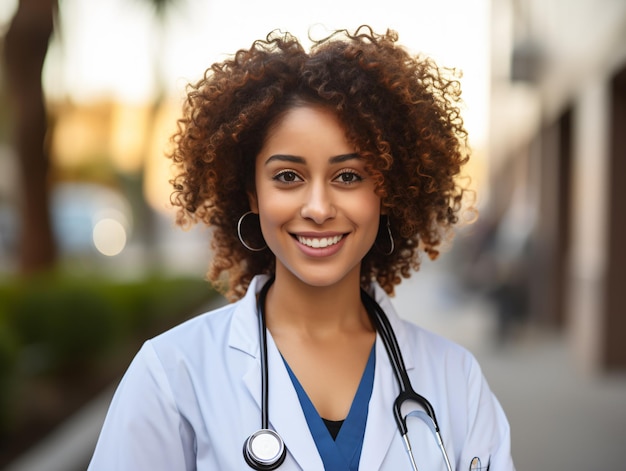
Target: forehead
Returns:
[307, 127]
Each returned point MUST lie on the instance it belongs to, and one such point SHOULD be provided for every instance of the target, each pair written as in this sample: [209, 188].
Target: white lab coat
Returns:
[192, 396]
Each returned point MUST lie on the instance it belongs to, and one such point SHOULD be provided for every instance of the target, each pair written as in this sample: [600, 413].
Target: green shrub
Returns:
[72, 325]
[58, 326]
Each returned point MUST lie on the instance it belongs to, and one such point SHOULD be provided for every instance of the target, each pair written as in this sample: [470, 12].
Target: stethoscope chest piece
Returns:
[264, 450]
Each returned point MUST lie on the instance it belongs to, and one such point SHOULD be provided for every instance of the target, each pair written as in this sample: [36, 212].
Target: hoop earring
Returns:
[393, 244]
[239, 223]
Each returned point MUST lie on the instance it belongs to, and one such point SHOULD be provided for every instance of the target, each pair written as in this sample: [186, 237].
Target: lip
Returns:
[320, 251]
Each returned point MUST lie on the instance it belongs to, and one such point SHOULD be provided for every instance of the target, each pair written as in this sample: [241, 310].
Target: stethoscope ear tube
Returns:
[264, 450]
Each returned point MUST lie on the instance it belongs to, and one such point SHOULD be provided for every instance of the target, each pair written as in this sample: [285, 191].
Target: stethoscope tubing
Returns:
[263, 360]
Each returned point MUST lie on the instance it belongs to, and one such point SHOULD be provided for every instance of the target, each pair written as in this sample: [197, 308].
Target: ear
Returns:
[253, 201]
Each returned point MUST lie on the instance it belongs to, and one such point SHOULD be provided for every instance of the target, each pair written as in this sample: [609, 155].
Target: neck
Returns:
[315, 310]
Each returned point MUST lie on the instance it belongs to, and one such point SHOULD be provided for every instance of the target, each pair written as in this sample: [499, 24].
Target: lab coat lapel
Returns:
[381, 426]
[286, 415]
[285, 412]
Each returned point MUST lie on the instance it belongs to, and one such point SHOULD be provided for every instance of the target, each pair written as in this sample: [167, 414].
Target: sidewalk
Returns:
[560, 419]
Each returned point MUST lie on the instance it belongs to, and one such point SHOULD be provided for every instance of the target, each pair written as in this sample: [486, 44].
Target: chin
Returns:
[324, 279]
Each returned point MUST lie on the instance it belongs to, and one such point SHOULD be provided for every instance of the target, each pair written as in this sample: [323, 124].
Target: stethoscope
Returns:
[265, 450]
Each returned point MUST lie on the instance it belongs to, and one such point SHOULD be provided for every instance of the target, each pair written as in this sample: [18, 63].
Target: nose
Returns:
[318, 205]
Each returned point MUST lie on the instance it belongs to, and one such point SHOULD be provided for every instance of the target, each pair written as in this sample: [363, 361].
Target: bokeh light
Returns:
[109, 236]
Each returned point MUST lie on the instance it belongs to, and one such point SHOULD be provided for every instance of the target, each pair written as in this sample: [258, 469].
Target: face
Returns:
[317, 206]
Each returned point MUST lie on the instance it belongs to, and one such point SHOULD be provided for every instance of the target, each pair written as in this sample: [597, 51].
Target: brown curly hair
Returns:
[401, 113]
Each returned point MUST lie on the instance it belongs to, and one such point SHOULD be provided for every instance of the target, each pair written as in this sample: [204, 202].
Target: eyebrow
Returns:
[337, 159]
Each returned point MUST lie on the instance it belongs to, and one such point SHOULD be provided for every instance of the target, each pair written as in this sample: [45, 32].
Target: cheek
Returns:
[271, 201]
[274, 211]
[366, 212]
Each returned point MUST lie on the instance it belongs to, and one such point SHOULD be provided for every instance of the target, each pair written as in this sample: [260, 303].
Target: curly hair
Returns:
[400, 112]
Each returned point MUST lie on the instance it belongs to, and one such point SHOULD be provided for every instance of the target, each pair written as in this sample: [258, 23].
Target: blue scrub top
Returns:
[344, 452]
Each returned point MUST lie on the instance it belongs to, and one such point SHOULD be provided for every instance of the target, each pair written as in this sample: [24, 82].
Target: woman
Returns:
[323, 175]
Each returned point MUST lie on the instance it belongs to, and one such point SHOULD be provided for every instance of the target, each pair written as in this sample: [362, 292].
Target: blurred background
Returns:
[91, 263]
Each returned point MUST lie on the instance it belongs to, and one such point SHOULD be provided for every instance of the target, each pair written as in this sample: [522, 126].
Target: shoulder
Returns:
[425, 346]
[427, 340]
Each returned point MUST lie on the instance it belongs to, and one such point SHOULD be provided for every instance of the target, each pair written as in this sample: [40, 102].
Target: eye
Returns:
[348, 177]
[287, 176]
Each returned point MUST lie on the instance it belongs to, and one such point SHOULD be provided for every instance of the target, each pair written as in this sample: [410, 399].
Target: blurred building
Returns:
[558, 146]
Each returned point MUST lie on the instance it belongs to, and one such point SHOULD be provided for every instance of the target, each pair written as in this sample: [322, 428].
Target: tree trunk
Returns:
[25, 46]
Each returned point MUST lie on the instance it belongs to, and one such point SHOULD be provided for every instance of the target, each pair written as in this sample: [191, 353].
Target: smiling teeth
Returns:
[319, 243]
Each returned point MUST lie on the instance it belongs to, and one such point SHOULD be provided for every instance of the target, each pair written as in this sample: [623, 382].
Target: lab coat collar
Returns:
[244, 331]
[285, 412]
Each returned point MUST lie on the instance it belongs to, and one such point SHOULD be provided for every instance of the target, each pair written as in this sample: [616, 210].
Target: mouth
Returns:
[319, 242]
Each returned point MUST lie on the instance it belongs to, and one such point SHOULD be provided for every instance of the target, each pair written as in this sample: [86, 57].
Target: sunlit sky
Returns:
[108, 48]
